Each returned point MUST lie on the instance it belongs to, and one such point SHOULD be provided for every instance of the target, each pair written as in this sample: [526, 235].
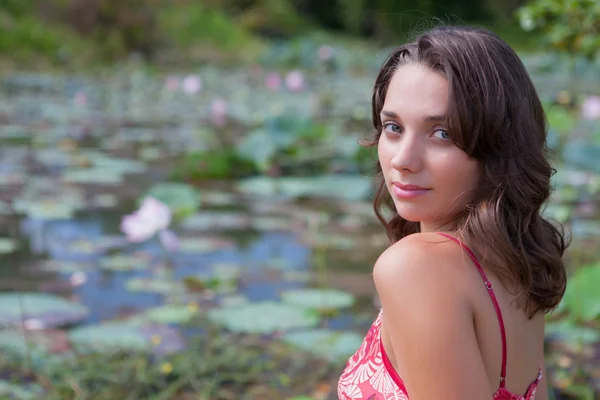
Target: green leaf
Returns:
[182, 199]
[263, 317]
[582, 297]
[318, 298]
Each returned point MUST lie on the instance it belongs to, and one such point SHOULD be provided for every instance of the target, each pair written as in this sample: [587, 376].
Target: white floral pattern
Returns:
[366, 376]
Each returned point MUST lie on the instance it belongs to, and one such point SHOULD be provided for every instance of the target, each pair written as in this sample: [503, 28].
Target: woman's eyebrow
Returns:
[428, 118]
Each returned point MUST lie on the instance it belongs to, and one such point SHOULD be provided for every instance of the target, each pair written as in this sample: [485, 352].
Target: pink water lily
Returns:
[294, 81]
[218, 112]
[590, 109]
[172, 83]
[325, 52]
[192, 84]
[273, 81]
[152, 217]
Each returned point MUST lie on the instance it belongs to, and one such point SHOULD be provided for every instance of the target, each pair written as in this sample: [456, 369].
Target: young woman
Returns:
[473, 267]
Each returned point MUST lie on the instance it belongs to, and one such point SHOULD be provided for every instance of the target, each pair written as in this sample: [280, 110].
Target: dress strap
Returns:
[488, 285]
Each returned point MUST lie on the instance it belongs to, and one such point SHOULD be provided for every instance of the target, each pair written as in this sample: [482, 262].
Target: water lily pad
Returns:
[39, 343]
[47, 310]
[105, 200]
[124, 262]
[263, 317]
[318, 298]
[198, 245]
[65, 267]
[582, 297]
[571, 333]
[216, 220]
[93, 176]
[582, 154]
[344, 187]
[127, 336]
[581, 228]
[271, 223]
[152, 285]
[8, 245]
[182, 199]
[333, 345]
[45, 210]
[219, 198]
[171, 314]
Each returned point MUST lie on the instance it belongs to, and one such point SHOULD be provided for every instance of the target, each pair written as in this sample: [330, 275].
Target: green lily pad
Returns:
[8, 245]
[219, 199]
[582, 297]
[318, 298]
[118, 165]
[45, 210]
[47, 310]
[93, 176]
[137, 336]
[171, 314]
[343, 187]
[198, 245]
[263, 317]
[571, 333]
[66, 267]
[124, 262]
[105, 200]
[183, 200]
[152, 285]
[216, 220]
[582, 154]
[333, 345]
[558, 212]
[271, 223]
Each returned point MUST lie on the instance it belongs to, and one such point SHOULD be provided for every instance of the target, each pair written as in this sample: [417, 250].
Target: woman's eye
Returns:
[442, 134]
[392, 128]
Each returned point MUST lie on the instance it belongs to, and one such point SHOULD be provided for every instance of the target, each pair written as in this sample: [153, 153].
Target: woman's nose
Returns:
[407, 154]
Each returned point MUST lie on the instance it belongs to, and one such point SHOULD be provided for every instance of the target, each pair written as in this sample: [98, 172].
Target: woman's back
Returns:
[524, 337]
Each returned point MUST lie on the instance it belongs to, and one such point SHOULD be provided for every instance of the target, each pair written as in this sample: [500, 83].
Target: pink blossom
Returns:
[273, 81]
[172, 83]
[78, 278]
[294, 81]
[218, 111]
[34, 324]
[152, 217]
[590, 109]
[325, 52]
[192, 84]
[169, 240]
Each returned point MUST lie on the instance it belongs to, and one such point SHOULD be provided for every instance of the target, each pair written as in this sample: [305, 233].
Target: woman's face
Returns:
[429, 178]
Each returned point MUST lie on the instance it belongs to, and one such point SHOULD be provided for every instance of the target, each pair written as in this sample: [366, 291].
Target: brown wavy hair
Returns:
[495, 116]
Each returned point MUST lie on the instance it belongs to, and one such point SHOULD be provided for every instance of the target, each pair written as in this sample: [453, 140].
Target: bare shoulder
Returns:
[426, 260]
[423, 283]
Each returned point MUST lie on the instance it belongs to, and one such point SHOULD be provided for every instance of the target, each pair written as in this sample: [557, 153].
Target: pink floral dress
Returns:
[369, 374]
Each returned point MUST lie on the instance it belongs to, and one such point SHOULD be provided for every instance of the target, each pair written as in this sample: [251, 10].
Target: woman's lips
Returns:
[404, 191]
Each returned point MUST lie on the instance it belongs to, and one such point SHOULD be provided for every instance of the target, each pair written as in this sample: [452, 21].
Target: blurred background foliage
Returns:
[188, 30]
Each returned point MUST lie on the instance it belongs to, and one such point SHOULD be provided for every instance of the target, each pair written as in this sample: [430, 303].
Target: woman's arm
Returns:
[429, 320]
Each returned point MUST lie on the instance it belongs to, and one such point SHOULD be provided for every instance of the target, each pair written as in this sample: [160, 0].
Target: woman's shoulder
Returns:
[427, 261]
